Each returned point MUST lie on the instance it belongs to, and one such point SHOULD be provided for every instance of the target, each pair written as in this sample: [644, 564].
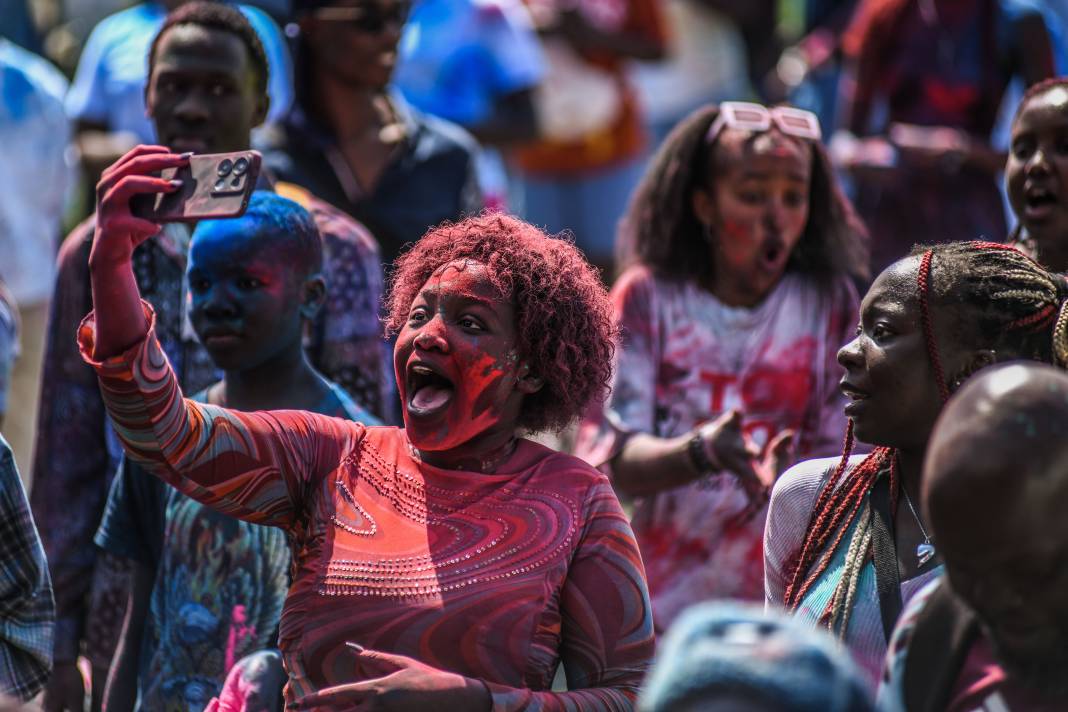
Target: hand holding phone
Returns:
[213, 185]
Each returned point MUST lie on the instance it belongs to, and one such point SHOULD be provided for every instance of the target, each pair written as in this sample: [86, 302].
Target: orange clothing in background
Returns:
[625, 138]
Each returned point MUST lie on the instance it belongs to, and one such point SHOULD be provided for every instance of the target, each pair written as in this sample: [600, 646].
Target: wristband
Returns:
[699, 456]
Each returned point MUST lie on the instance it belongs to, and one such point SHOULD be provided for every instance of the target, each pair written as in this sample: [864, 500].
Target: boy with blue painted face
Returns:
[208, 589]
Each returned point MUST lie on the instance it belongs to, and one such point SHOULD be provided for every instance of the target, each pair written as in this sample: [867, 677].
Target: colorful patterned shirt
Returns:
[77, 454]
[220, 582]
[497, 576]
[27, 612]
[686, 358]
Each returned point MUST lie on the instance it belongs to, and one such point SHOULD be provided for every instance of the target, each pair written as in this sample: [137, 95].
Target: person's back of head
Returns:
[728, 657]
[995, 480]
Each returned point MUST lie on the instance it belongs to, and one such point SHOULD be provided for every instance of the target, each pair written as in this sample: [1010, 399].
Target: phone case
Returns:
[214, 185]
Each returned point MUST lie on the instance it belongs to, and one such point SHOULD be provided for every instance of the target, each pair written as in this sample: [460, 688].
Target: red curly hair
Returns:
[564, 319]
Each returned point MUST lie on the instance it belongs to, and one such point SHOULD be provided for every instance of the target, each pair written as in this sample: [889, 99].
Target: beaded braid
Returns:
[1014, 300]
[923, 279]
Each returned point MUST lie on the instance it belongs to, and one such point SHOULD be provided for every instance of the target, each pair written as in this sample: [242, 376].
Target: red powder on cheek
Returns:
[737, 230]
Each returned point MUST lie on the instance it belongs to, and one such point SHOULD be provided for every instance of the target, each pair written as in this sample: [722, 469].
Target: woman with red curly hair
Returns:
[740, 250]
[448, 564]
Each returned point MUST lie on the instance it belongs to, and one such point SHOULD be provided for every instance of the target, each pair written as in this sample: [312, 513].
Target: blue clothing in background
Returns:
[109, 85]
[458, 57]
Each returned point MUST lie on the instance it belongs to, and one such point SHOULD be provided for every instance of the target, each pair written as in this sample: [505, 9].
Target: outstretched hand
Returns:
[120, 321]
[118, 230]
[395, 683]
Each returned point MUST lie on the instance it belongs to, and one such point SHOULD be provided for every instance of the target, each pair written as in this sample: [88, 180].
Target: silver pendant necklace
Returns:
[926, 550]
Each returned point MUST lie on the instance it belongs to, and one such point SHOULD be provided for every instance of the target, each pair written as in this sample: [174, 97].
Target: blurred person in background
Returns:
[107, 95]
[36, 174]
[740, 252]
[808, 71]
[580, 173]
[705, 62]
[207, 89]
[476, 63]
[1036, 174]
[732, 657]
[353, 141]
[927, 82]
[27, 611]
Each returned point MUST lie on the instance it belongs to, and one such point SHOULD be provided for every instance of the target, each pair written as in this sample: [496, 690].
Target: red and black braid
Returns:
[923, 280]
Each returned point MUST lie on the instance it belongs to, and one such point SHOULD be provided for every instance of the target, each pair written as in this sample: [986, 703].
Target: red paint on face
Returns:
[759, 209]
[460, 343]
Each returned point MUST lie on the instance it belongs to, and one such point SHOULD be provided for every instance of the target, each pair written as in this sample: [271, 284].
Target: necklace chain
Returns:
[908, 500]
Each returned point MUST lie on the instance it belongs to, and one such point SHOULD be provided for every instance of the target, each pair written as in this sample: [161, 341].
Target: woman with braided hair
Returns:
[845, 544]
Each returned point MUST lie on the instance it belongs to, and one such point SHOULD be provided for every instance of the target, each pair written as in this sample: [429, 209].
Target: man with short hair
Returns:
[205, 94]
[992, 635]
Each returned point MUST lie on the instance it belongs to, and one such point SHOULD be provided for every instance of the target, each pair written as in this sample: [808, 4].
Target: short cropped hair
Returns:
[216, 16]
[563, 316]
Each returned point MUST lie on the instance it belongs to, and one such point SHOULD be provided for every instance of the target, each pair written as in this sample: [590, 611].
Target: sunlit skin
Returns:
[894, 399]
[756, 211]
[995, 484]
[462, 330]
[1036, 174]
[248, 307]
[202, 95]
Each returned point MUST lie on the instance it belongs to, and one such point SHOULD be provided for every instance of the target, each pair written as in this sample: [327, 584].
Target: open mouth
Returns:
[857, 398]
[771, 255]
[429, 391]
[1040, 201]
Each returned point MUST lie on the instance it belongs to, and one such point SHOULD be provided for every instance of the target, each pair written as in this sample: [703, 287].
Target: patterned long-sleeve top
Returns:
[498, 577]
[687, 358]
[77, 455]
[27, 612]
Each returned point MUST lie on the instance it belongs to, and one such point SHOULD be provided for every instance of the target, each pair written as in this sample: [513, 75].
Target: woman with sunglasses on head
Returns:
[846, 545]
[451, 564]
[740, 250]
[354, 142]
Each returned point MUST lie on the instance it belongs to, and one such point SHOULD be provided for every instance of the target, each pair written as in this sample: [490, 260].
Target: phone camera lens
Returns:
[240, 166]
[220, 184]
[225, 167]
[235, 182]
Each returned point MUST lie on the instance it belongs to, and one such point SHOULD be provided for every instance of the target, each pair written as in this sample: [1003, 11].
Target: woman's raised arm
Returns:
[254, 466]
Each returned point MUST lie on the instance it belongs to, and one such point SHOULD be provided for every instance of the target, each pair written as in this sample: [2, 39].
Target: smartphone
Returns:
[214, 185]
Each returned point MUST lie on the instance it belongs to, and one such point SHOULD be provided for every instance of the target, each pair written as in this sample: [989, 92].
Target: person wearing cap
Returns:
[731, 657]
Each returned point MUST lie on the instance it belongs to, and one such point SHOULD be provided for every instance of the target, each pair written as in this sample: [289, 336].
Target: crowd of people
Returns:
[568, 355]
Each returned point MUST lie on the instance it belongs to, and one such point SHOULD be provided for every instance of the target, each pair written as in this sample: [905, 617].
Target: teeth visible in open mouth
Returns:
[429, 390]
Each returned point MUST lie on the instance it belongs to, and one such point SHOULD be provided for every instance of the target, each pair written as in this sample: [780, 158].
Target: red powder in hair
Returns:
[565, 327]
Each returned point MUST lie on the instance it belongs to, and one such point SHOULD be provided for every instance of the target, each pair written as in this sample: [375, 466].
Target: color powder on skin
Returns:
[465, 329]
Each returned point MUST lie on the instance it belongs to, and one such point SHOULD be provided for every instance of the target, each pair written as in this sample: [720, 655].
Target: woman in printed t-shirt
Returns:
[450, 564]
[741, 250]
